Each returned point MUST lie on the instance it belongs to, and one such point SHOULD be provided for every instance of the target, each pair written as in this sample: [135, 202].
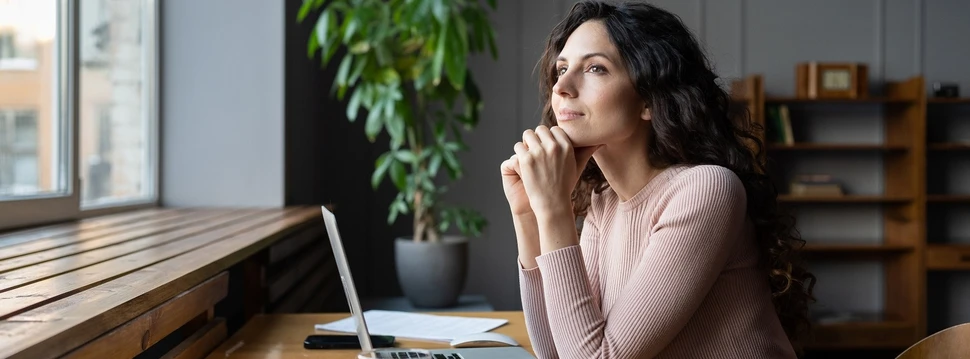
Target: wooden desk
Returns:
[114, 286]
[281, 336]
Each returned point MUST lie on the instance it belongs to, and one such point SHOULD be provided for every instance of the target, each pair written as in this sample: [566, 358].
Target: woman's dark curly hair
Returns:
[692, 122]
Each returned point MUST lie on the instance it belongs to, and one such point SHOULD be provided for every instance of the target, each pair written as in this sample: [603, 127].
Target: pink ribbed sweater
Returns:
[670, 273]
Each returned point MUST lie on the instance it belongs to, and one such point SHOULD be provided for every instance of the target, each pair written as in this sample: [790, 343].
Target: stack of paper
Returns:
[415, 326]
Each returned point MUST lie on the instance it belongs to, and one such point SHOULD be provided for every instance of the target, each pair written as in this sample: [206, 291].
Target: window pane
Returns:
[32, 160]
[115, 121]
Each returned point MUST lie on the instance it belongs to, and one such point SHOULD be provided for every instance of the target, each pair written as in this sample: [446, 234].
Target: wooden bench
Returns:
[117, 285]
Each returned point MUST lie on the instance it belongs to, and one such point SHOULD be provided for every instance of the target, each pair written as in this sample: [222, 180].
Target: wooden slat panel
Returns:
[310, 261]
[57, 230]
[139, 228]
[141, 333]
[78, 318]
[301, 294]
[35, 294]
[201, 343]
[282, 251]
[120, 244]
[323, 297]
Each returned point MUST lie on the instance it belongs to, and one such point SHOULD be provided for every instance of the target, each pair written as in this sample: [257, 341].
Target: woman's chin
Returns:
[580, 140]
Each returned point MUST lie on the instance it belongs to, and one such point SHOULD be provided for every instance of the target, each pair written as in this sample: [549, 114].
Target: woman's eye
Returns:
[597, 68]
[561, 71]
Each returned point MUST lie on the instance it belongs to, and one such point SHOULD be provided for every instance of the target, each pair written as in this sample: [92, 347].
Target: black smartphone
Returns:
[345, 341]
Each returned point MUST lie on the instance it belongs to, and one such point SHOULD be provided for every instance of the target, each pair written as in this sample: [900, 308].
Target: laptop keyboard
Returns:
[409, 355]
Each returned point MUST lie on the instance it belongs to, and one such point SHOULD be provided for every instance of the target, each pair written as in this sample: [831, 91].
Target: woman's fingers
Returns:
[510, 166]
[561, 137]
[549, 142]
[531, 140]
[520, 149]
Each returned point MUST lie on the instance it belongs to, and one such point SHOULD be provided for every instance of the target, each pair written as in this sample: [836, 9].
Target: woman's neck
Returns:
[626, 166]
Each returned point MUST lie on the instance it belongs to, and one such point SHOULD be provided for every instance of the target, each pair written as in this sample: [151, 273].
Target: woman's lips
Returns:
[566, 115]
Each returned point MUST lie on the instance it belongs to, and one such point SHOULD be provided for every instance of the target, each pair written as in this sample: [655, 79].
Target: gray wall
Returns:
[222, 103]
[897, 38]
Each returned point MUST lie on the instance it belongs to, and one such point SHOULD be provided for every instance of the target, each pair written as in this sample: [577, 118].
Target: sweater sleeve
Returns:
[534, 309]
[702, 216]
[534, 299]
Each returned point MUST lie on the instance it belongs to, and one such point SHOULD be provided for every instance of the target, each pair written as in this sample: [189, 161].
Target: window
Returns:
[19, 172]
[78, 108]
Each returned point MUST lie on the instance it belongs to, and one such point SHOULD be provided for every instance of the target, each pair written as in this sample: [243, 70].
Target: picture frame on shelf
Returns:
[831, 80]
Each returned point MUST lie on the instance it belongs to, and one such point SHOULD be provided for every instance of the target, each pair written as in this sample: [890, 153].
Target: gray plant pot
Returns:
[432, 275]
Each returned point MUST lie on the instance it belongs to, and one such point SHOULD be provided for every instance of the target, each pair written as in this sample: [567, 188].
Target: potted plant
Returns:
[405, 63]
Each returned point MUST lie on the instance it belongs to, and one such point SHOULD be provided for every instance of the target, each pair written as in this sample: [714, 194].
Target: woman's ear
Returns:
[645, 113]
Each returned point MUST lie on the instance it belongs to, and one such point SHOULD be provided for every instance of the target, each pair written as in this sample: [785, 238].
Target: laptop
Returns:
[367, 349]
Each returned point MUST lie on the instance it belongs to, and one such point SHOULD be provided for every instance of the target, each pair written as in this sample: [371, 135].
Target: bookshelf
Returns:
[948, 210]
[896, 200]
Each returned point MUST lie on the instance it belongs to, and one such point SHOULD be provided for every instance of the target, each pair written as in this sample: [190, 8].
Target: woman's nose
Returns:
[565, 85]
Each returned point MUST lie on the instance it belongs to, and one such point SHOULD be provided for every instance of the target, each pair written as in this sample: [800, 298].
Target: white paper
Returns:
[417, 326]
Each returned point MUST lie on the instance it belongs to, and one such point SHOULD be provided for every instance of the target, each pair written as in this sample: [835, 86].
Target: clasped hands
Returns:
[540, 177]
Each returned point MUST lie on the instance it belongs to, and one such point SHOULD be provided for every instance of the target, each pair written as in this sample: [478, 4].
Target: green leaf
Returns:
[435, 163]
[492, 4]
[405, 156]
[395, 126]
[390, 76]
[423, 8]
[383, 54]
[454, 167]
[492, 47]
[351, 25]
[380, 169]
[331, 50]
[344, 70]
[323, 26]
[308, 5]
[374, 123]
[304, 11]
[359, 47]
[453, 146]
[401, 206]
[423, 77]
[353, 106]
[441, 10]
[439, 54]
[392, 214]
[439, 131]
[359, 67]
[399, 175]
[457, 53]
[312, 45]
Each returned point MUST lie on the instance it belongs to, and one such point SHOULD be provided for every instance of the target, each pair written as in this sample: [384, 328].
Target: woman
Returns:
[682, 252]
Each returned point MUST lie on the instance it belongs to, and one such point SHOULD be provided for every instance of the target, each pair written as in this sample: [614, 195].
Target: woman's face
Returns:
[594, 99]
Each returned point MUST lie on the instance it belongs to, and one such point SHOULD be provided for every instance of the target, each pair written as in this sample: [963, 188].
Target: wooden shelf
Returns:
[948, 198]
[948, 257]
[844, 199]
[797, 100]
[959, 100]
[948, 146]
[835, 147]
[903, 121]
[836, 248]
[889, 334]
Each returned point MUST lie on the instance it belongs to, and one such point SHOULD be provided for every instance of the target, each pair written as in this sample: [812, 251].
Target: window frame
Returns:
[43, 209]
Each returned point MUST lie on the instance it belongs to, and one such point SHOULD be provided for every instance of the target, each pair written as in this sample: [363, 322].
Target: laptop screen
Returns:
[348, 281]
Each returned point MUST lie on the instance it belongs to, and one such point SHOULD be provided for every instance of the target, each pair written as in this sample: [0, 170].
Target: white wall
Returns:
[222, 103]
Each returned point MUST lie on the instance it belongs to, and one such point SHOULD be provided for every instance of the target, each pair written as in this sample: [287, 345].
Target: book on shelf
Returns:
[815, 185]
[779, 125]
